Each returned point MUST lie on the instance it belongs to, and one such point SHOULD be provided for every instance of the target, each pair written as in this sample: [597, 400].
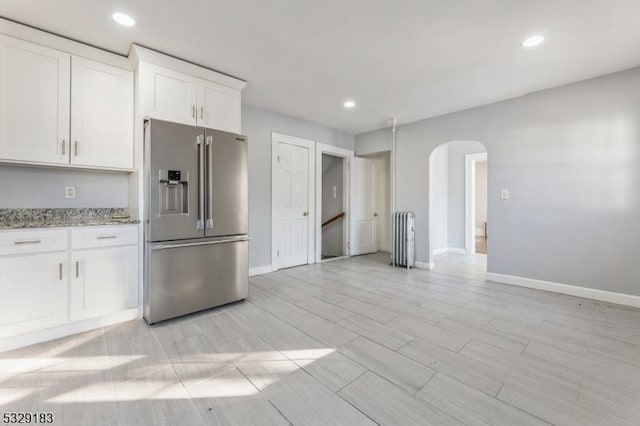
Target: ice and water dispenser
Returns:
[174, 192]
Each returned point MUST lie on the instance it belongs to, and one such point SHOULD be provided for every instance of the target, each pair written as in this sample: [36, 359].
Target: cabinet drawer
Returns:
[33, 241]
[104, 236]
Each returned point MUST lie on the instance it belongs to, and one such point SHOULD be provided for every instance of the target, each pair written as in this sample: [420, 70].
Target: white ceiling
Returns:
[409, 59]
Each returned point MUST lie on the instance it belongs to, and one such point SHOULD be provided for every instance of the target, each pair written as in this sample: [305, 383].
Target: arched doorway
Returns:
[458, 227]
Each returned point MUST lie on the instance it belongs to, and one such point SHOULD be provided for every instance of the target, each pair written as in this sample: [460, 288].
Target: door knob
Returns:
[305, 214]
[375, 215]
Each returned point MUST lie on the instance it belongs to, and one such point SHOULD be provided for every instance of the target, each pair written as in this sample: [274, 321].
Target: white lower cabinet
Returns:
[103, 281]
[33, 292]
[51, 278]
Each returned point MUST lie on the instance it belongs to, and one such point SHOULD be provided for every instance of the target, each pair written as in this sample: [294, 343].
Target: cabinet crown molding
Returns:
[63, 44]
[139, 54]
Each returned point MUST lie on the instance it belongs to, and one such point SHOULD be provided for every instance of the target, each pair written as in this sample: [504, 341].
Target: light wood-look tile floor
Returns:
[348, 342]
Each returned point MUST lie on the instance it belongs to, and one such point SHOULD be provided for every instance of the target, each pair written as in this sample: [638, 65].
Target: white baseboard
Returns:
[424, 265]
[448, 250]
[259, 270]
[456, 250]
[571, 290]
[67, 329]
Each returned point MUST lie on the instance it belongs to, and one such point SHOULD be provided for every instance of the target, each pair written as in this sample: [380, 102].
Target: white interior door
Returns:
[363, 222]
[291, 205]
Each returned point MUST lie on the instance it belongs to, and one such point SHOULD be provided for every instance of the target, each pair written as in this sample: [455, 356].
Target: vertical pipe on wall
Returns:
[393, 192]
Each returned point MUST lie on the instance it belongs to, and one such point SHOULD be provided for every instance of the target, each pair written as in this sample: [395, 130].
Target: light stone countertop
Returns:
[63, 217]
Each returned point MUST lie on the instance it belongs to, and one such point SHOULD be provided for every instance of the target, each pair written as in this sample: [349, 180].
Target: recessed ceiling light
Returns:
[123, 19]
[349, 104]
[533, 41]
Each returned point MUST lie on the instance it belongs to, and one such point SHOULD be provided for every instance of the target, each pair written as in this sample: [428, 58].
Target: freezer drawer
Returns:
[189, 276]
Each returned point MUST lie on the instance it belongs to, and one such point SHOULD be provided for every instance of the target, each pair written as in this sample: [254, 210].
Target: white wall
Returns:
[33, 187]
[569, 156]
[258, 124]
[332, 204]
[439, 197]
[481, 196]
[377, 142]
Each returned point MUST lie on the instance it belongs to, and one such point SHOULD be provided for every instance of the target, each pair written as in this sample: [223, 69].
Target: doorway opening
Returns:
[333, 194]
[382, 199]
[333, 204]
[476, 203]
[458, 208]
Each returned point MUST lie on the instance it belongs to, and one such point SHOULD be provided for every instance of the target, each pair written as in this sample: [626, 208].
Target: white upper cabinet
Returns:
[34, 102]
[101, 115]
[56, 109]
[174, 90]
[219, 107]
[168, 95]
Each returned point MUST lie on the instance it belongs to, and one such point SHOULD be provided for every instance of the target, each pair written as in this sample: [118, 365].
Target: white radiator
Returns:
[403, 253]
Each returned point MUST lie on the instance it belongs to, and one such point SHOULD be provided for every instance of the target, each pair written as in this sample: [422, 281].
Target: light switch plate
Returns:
[69, 192]
[504, 194]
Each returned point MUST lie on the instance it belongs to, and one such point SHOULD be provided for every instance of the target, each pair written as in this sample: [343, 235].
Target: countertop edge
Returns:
[48, 225]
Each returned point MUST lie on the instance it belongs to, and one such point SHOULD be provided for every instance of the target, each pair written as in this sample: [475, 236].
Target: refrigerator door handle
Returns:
[209, 151]
[156, 247]
[201, 181]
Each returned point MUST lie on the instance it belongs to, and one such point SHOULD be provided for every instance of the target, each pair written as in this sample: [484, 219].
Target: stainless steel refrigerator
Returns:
[196, 242]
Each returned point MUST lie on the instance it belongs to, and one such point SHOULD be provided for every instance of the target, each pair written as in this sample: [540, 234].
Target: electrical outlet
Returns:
[504, 194]
[69, 192]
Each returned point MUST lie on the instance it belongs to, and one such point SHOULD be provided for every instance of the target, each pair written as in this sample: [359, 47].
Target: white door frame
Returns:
[346, 154]
[470, 199]
[310, 145]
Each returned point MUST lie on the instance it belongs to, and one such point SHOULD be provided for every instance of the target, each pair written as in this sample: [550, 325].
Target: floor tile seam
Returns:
[302, 331]
[293, 324]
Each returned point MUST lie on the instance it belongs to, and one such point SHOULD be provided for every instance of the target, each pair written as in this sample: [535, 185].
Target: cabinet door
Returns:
[101, 115]
[218, 107]
[167, 95]
[103, 281]
[33, 292]
[34, 102]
